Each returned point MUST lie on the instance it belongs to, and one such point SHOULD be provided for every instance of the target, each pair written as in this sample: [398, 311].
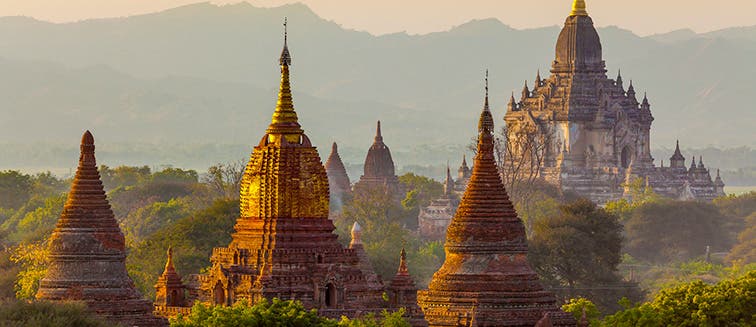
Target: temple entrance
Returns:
[330, 295]
[626, 156]
[219, 295]
[172, 299]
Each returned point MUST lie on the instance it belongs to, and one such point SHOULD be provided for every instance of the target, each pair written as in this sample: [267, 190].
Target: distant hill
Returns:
[207, 74]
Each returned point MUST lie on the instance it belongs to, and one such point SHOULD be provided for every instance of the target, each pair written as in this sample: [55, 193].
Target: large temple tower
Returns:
[486, 278]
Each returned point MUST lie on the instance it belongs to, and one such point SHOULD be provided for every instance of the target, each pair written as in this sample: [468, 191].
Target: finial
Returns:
[87, 148]
[718, 173]
[485, 124]
[169, 260]
[402, 263]
[578, 8]
[538, 79]
[378, 136]
[334, 148]
[285, 59]
[486, 83]
[525, 91]
[464, 159]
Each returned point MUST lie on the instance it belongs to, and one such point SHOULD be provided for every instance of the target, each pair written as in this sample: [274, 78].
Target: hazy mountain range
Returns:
[204, 75]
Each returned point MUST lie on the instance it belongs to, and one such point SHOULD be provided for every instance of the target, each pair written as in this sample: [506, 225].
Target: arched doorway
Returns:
[626, 156]
[173, 299]
[219, 294]
[330, 295]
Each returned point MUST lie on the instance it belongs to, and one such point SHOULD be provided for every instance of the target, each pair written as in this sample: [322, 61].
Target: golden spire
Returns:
[578, 8]
[285, 119]
[169, 261]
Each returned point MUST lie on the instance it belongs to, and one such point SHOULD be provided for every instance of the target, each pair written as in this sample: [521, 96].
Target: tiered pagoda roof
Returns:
[87, 253]
[486, 273]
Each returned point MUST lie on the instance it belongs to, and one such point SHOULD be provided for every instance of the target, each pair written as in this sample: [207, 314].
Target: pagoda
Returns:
[403, 293]
[432, 220]
[170, 291]
[284, 245]
[379, 171]
[486, 279]
[597, 133]
[87, 253]
[338, 180]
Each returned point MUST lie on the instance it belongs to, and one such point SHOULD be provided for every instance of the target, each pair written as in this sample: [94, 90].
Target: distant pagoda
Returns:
[432, 220]
[486, 279]
[379, 168]
[87, 253]
[338, 180]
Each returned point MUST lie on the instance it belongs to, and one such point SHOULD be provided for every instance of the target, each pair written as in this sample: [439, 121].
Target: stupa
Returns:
[486, 279]
[87, 253]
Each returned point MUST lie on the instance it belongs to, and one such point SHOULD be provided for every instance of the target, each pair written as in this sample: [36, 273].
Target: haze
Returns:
[643, 17]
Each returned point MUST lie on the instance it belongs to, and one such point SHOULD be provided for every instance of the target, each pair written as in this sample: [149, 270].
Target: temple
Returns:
[338, 180]
[379, 167]
[597, 132]
[283, 245]
[170, 292]
[433, 219]
[87, 253]
[486, 279]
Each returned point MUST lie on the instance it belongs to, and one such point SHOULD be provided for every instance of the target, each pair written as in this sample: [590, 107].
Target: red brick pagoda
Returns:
[338, 180]
[87, 253]
[486, 279]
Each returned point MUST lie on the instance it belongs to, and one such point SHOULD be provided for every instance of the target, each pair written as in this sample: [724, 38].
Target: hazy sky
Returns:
[422, 16]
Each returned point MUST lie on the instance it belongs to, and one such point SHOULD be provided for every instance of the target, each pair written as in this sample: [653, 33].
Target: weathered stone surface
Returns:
[87, 253]
[599, 133]
[485, 279]
[403, 293]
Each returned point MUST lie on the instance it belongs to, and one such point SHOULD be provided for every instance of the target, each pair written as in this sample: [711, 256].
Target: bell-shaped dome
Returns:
[578, 43]
[378, 162]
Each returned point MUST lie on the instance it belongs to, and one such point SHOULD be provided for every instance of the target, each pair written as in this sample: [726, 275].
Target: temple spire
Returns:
[378, 136]
[285, 119]
[525, 91]
[169, 262]
[402, 264]
[578, 8]
[486, 124]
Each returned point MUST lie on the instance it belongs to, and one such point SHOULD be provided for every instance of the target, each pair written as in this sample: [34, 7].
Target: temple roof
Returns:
[677, 156]
[378, 162]
[578, 43]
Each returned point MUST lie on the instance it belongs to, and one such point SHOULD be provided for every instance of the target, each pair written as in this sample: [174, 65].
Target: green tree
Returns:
[193, 238]
[581, 306]
[728, 303]
[386, 319]
[15, 189]
[33, 259]
[146, 220]
[745, 249]
[38, 224]
[262, 314]
[577, 253]
[670, 230]
[123, 176]
[47, 314]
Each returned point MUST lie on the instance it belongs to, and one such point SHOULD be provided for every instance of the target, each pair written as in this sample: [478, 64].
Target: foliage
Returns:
[387, 319]
[577, 252]
[8, 272]
[38, 224]
[728, 303]
[33, 259]
[47, 314]
[123, 176]
[225, 179]
[262, 313]
[670, 230]
[15, 189]
[193, 238]
[579, 306]
[278, 313]
[146, 220]
[421, 190]
[745, 249]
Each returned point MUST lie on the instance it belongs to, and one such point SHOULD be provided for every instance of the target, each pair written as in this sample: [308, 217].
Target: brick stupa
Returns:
[87, 253]
[486, 279]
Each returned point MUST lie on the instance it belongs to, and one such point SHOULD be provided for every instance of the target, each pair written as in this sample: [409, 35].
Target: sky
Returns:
[644, 17]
